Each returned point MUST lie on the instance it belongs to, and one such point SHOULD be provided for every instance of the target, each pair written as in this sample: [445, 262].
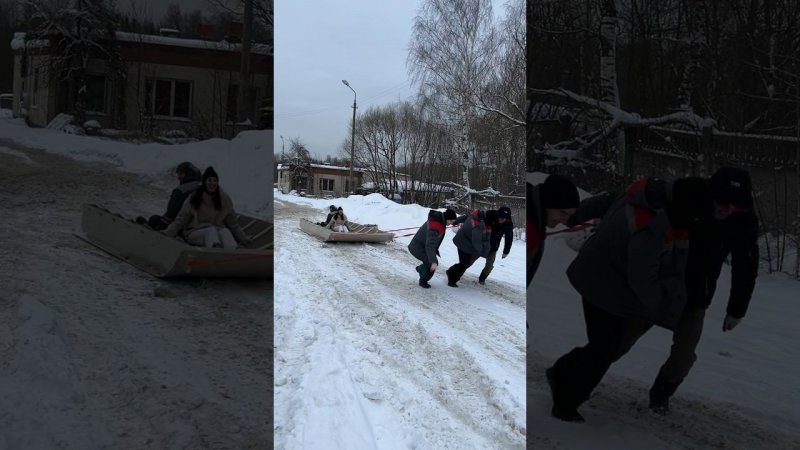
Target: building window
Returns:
[94, 99]
[326, 184]
[170, 98]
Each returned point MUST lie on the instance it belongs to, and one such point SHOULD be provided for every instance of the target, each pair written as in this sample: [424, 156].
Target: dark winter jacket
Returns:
[711, 241]
[474, 237]
[634, 265]
[426, 242]
[535, 231]
[499, 231]
[189, 184]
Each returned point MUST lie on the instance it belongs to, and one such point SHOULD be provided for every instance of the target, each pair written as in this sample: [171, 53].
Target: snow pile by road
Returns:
[365, 358]
[243, 163]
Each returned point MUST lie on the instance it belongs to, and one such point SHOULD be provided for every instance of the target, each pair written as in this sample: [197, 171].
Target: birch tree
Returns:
[451, 57]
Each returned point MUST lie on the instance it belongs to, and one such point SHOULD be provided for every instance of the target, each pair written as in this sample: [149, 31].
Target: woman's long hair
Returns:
[197, 197]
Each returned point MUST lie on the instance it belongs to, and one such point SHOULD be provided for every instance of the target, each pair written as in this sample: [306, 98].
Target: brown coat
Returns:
[190, 219]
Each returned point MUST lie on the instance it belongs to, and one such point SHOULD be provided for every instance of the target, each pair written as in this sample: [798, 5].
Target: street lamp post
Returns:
[283, 161]
[352, 135]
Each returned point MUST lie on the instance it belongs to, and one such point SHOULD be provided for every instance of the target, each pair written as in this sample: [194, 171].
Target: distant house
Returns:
[318, 179]
[333, 181]
[169, 83]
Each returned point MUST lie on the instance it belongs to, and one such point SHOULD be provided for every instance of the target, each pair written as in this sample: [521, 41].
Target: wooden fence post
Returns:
[707, 150]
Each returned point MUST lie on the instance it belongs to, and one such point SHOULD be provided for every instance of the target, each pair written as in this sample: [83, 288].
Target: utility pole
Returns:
[243, 100]
[352, 136]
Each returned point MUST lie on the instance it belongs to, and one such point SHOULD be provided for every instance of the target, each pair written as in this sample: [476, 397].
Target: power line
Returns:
[310, 112]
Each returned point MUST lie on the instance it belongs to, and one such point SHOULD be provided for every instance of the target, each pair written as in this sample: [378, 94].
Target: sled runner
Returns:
[167, 257]
[358, 232]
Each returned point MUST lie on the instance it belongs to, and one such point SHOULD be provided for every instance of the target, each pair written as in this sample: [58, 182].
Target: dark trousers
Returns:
[682, 353]
[579, 372]
[487, 269]
[456, 271]
[424, 270]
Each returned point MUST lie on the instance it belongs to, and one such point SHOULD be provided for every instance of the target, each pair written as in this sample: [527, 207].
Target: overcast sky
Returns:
[319, 43]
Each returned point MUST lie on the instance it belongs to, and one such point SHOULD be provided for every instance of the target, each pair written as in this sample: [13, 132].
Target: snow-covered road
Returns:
[742, 392]
[367, 359]
[96, 354]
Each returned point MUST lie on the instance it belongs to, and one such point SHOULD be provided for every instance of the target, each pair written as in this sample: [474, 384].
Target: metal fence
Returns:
[771, 160]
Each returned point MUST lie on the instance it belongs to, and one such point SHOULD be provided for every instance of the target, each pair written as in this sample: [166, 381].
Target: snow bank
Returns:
[243, 163]
[368, 209]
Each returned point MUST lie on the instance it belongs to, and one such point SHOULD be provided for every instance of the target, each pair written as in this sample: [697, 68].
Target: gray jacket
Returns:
[634, 264]
[474, 238]
[425, 243]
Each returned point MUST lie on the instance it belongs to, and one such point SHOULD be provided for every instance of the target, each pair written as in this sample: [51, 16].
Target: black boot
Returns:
[660, 393]
[561, 411]
[567, 414]
[450, 281]
[424, 284]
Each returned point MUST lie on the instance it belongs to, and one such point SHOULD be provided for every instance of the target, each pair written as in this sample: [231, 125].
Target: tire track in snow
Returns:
[423, 376]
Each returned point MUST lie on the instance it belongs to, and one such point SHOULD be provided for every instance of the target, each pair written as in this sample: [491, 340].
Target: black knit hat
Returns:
[332, 208]
[732, 186]
[449, 214]
[558, 192]
[210, 172]
[504, 213]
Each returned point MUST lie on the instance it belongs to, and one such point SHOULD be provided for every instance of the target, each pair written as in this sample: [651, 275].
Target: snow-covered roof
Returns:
[260, 49]
[18, 43]
[325, 166]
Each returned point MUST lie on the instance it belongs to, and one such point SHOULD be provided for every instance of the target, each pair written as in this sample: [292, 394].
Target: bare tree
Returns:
[263, 16]
[173, 17]
[452, 55]
[77, 31]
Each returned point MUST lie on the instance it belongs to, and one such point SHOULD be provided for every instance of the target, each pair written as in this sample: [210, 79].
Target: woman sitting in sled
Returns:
[207, 217]
[338, 222]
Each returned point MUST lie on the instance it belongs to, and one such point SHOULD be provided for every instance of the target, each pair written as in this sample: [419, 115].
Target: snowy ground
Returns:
[742, 393]
[96, 354]
[365, 358]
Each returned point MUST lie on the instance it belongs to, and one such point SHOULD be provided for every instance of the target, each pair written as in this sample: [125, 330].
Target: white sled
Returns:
[358, 232]
[167, 257]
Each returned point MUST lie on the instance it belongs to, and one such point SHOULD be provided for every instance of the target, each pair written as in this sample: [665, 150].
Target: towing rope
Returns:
[580, 227]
